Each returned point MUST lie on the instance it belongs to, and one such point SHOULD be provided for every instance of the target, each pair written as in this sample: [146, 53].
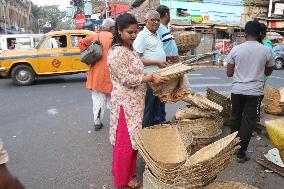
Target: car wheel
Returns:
[278, 64]
[23, 75]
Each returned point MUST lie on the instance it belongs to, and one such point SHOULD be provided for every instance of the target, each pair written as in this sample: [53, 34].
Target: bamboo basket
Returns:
[193, 112]
[187, 40]
[172, 91]
[164, 174]
[183, 132]
[201, 140]
[211, 150]
[229, 185]
[225, 102]
[272, 101]
[202, 102]
[174, 71]
[151, 182]
[201, 128]
[203, 174]
[164, 146]
[198, 171]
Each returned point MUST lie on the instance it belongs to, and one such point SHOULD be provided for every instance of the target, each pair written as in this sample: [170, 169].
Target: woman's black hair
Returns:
[122, 22]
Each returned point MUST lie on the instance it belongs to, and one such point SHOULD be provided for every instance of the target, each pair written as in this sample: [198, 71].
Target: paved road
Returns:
[48, 131]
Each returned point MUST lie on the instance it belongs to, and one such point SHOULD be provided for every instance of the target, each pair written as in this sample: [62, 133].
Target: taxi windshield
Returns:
[41, 41]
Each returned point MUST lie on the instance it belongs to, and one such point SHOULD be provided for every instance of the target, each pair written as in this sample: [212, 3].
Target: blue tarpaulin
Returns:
[93, 22]
[13, 31]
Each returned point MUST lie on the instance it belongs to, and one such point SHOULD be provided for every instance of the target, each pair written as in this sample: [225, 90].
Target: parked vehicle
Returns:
[279, 55]
[19, 41]
[57, 53]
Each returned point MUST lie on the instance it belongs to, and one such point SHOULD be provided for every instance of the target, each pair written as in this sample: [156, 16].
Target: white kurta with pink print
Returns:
[126, 70]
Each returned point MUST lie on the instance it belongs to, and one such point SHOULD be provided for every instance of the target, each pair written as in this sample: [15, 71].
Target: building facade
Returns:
[16, 17]
[226, 11]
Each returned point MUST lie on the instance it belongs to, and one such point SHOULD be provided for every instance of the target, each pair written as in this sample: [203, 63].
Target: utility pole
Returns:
[106, 5]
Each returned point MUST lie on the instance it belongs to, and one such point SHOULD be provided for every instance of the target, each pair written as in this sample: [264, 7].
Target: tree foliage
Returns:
[51, 17]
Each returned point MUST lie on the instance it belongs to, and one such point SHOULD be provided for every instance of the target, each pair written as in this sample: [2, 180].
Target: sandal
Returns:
[98, 127]
[133, 184]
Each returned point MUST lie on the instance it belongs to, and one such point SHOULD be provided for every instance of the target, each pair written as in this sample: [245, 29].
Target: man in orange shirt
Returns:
[98, 78]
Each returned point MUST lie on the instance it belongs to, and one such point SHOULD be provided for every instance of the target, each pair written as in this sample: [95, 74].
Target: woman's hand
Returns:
[161, 64]
[157, 79]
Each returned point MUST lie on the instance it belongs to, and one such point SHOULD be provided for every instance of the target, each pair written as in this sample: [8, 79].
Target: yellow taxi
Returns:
[56, 53]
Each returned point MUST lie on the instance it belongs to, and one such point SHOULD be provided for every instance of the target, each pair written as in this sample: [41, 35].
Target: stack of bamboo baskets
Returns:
[180, 171]
[163, 150]
[201, 118]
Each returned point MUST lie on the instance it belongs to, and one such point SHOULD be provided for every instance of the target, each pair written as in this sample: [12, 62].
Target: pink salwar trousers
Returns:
[124, 157]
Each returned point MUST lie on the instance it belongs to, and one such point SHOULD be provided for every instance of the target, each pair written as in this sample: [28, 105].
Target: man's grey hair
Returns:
[108, 23]
[151, 13]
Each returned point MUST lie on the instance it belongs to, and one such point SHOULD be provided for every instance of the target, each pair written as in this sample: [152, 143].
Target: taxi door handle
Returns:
[64, 50]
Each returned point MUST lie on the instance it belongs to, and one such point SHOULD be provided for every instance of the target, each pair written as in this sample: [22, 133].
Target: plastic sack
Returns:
[275, 130]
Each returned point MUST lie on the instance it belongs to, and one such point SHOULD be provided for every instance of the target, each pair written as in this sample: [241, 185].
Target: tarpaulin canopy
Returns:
[116, 8]
[13, 31]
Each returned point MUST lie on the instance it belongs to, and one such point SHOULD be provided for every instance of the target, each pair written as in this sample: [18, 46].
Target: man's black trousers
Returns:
[244, 114]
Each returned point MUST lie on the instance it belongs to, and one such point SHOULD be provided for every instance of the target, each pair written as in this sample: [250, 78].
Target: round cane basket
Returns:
[193, 112]
[210, 151]
[186, 40]
[202, 102]
[151, 182]
[204, 140]
[186, 136]
[229, 185]
[203, 127]
[220, 99]
[164, 146]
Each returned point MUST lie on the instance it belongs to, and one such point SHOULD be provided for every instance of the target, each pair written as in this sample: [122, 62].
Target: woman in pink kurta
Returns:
[127, 100]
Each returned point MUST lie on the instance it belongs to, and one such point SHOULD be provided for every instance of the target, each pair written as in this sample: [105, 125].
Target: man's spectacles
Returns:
[155, 20]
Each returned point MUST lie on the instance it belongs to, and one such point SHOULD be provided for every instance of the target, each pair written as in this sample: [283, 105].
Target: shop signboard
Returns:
[276, 9]
[196, 18]
[204, 19]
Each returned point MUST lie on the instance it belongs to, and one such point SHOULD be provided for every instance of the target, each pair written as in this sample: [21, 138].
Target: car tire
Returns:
[279, 64]
[23, 75]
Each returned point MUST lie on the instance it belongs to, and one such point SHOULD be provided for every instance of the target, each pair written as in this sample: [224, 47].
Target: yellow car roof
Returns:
[64, 32]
